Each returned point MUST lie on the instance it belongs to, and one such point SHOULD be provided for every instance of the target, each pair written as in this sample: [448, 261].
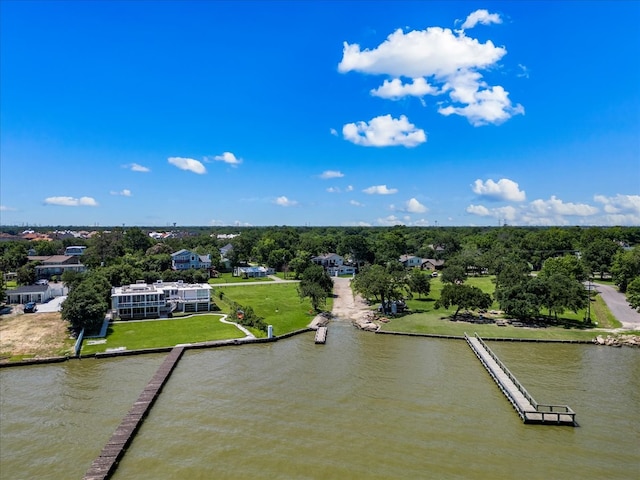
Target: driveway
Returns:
[52, 305]
[619, 306]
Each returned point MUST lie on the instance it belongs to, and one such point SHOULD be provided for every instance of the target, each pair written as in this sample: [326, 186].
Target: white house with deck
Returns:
[143, 300]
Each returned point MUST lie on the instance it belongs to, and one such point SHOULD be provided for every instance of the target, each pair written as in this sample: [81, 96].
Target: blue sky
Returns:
[319, 113]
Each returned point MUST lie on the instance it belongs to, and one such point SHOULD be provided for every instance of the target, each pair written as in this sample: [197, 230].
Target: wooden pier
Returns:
[529, 410]
[321, 335]
[105, 465]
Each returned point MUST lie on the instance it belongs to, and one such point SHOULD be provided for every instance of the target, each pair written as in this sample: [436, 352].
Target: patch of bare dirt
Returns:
[34, 335]
[345, 304]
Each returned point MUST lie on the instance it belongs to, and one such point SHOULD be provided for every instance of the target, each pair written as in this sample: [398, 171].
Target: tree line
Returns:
[121, 256]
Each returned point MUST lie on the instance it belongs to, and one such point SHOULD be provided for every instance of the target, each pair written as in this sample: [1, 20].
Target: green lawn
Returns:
[425, 318]
[164, 333]
[278, 303]
[229, 278]
[436, 325]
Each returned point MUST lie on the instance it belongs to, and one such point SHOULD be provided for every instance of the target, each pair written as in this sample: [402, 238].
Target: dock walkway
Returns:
[321, 335]
[106, 463]
[529, 410]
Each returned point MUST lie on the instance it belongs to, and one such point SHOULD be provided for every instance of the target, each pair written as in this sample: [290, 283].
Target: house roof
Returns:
[433, 261]
[404, 258]
[27, 289]
[54, 259]
[326, 256]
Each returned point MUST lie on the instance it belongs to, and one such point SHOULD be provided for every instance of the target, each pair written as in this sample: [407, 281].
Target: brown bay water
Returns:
[361, 406]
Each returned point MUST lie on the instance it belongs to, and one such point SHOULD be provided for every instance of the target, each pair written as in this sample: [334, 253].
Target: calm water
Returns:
[361, 406]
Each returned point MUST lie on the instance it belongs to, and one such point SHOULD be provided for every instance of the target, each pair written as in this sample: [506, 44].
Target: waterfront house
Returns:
[142, 300]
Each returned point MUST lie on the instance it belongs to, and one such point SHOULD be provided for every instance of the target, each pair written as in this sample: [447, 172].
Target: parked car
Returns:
[42, 282]
[30, 307]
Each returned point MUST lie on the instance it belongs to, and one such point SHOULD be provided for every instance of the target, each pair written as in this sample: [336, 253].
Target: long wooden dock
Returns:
[321, 335]
[529, 410]
[106, 463]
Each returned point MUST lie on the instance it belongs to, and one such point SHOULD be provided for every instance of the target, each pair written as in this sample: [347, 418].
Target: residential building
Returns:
[432, 264]
[252, 272]
[29, 293]
[410, 261]
[341, 270]
[334, 264]
[56, 265]
[186, 260]
[142, 300]
[328, 260]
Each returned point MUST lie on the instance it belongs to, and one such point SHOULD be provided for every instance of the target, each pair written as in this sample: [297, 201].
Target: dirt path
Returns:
[345, 306]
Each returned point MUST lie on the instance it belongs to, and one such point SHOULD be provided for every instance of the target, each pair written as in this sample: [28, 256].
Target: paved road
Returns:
[618, 305]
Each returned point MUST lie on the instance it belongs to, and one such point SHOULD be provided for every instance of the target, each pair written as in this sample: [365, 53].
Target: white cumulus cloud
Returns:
[481, 16]
[327, 174]
[356, 203]
[503, 189]
[414, 206]
[229, 158]
[507, 213]
[395, 89]
[188, 164]
[484, 104]
[439, 61]
[71, 201]
[433, 52]
[556, 207]
[124, 193]
[384, 131]
[134, 167]
[620, 203]
[285, 202]
[380, 190]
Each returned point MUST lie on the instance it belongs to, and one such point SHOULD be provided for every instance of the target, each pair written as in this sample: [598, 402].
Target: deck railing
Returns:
[543, 413]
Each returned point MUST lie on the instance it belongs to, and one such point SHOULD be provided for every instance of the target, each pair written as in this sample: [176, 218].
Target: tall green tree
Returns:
[569, 266]
[463, 296]
[626, 267]
[419, 281]
[136, 241]
[453, 273]
[316, 285]
[598, 255]
[85, 307]
[633, 293]
[561, 292]
[385, 283]
[27, 274]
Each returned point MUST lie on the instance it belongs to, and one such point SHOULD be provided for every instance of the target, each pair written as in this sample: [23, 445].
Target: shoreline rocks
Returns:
[366, 322]
[618, 340]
